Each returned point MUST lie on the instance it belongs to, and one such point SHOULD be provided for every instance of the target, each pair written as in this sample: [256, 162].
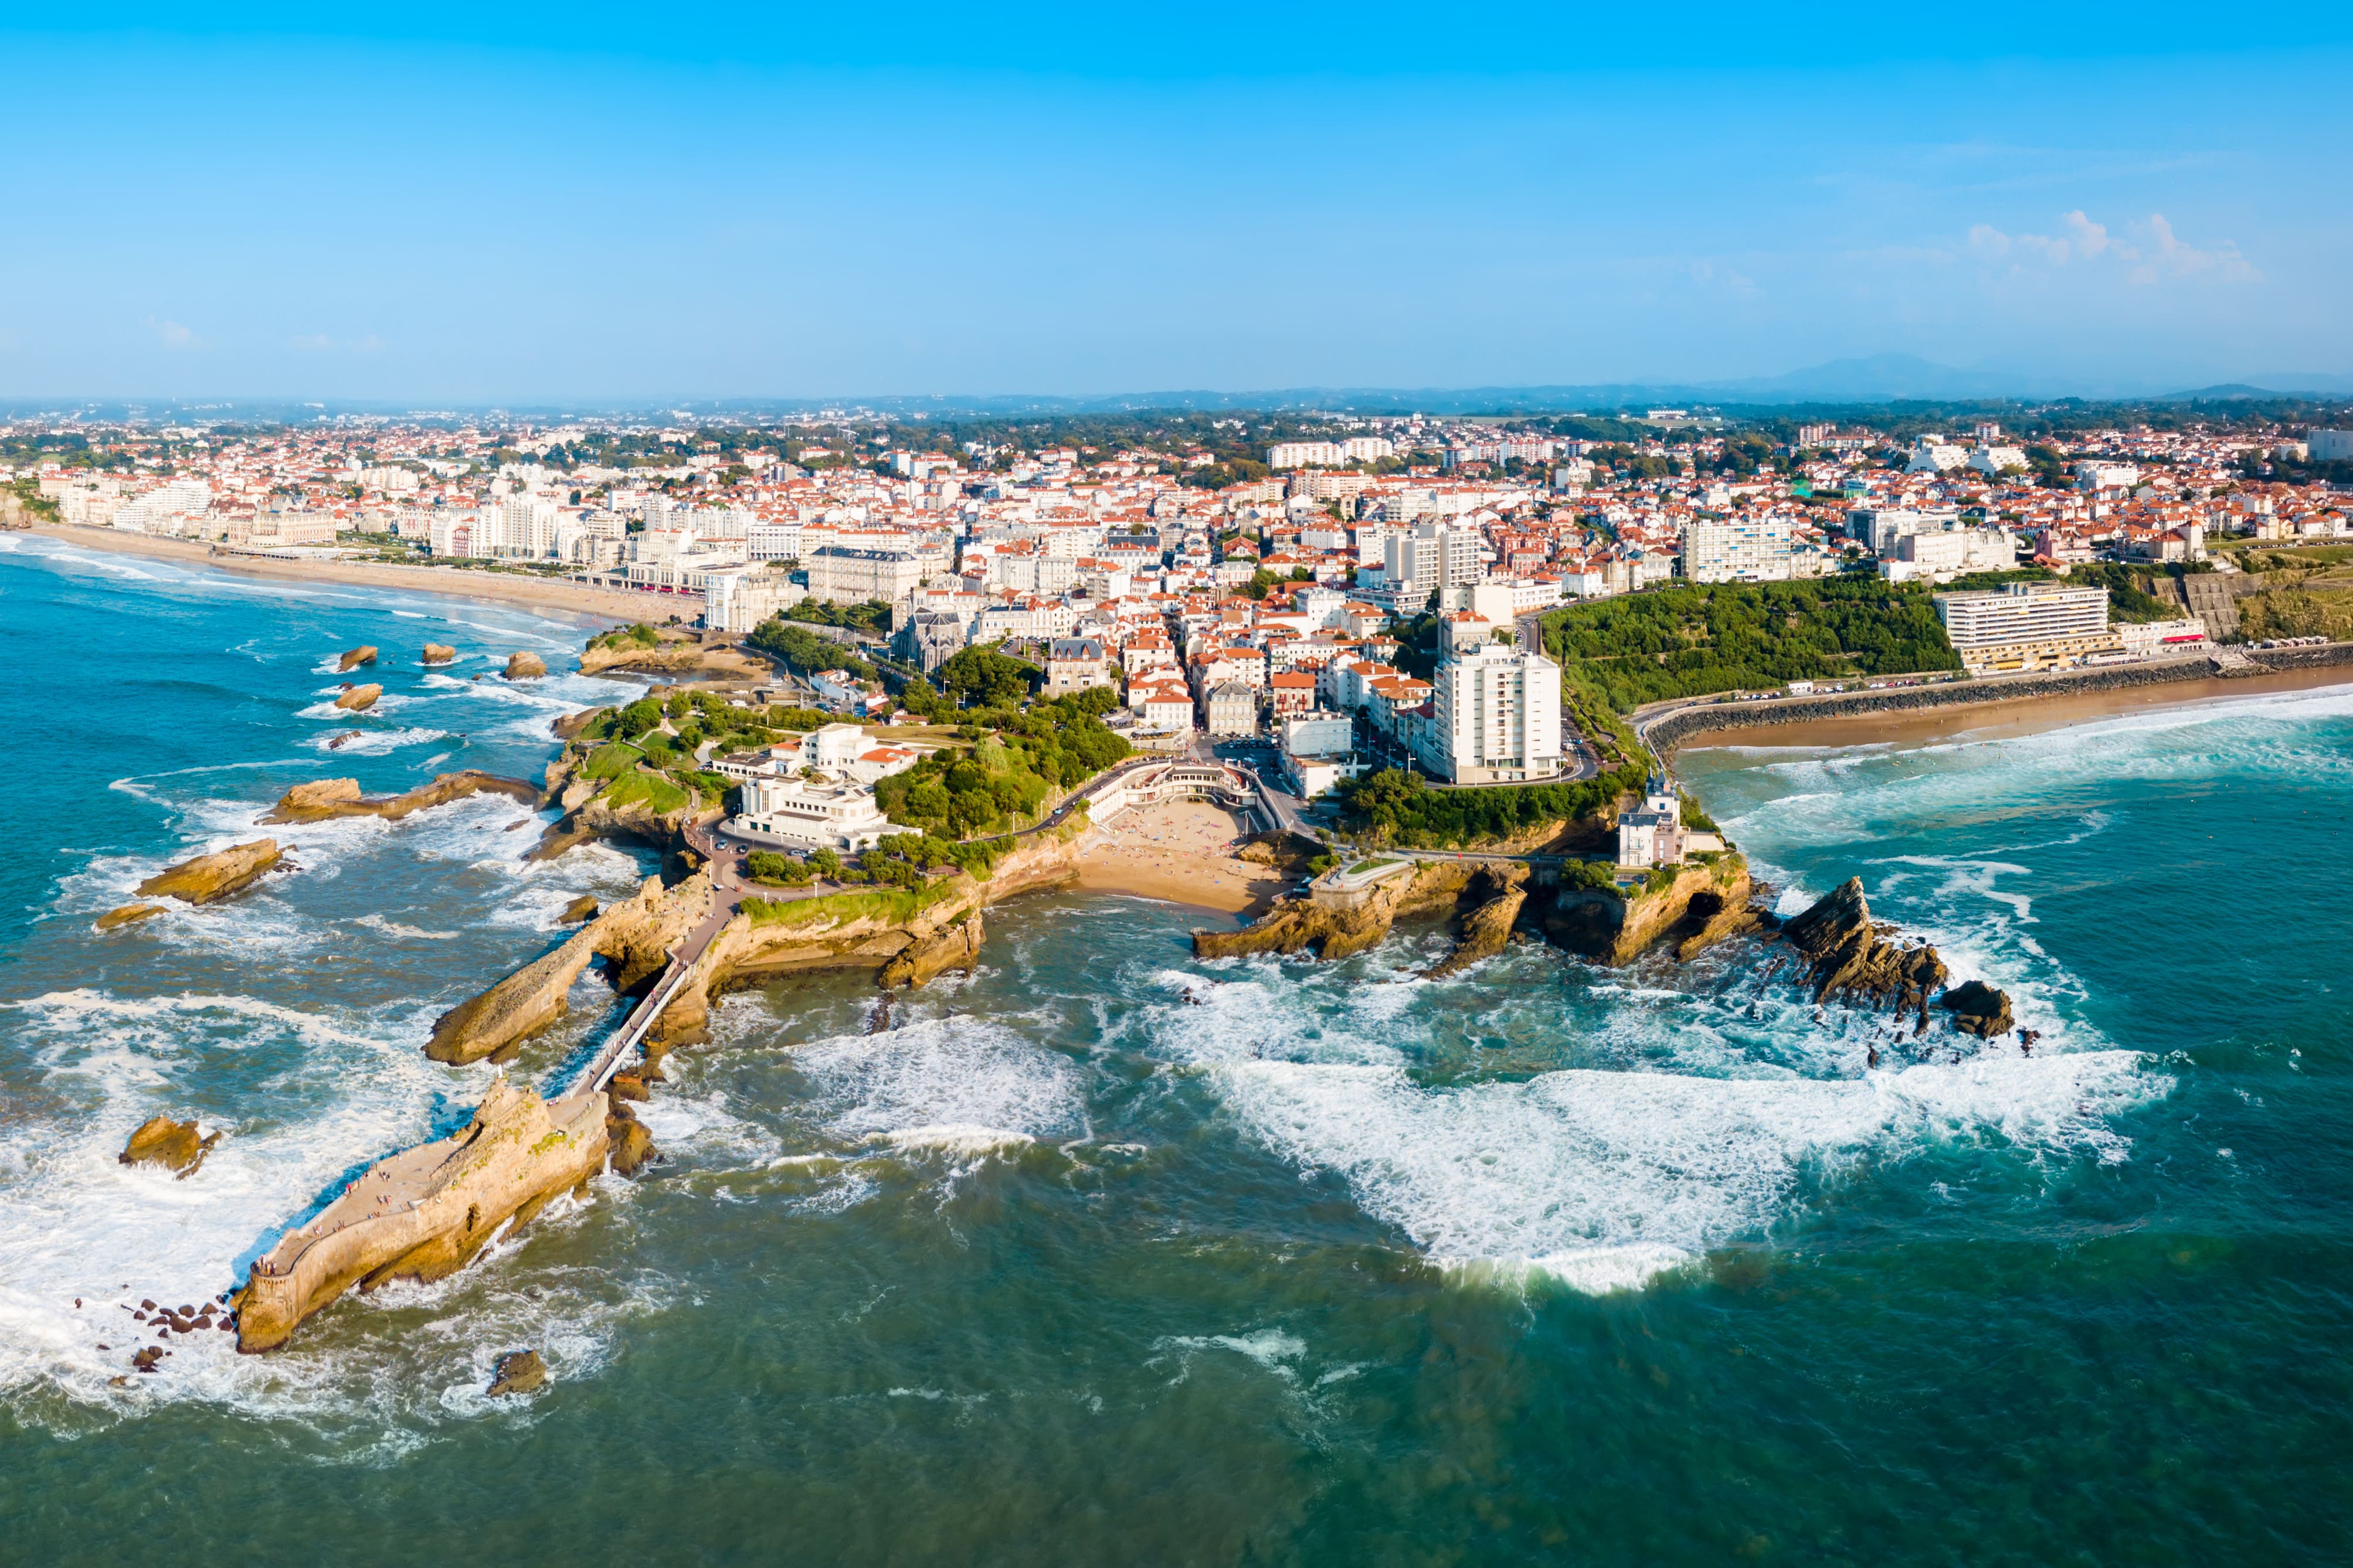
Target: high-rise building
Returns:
[1738, 549]
[2027, 626]
[1494, 717]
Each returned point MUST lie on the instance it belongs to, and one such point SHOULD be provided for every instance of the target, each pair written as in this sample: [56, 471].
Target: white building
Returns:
[1742, 547]
[1652, 833]
[1494, 717]
[810, 813]
[838, 575]
[2027, 626]
[738, 598]
[2330, 446]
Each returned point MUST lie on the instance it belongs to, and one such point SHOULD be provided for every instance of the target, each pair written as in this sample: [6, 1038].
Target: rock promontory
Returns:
[525, 667]
[324, 799]
[355, 658]
[209, 877]
[177, 1146]
[424, 1213]
[359, 699]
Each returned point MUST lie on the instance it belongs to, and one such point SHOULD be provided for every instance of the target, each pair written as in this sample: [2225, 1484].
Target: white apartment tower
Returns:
[1494, 717]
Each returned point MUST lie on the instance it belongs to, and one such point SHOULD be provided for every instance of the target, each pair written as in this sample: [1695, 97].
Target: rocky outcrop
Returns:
[328, 798]
[359, 699]
[1487, 929]
[632, 935]
[921, 961]
[525, 667]
[675, 653]
[424, 1213]
[1302, 924]
[568, 726]
[1979, 1009]
[355, 658]
[629, 1145]
[518, 1372]
[1280, 851]
[440, 653]
[128, 914]
[1851, 958]
[582, 908]
[1730, 919]
[1617, 927]
[1848, 956]
[177, 1146]
[209, 877]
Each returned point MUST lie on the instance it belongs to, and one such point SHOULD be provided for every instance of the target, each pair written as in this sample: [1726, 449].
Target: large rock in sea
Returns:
[582, 908]
[360, 697]
[440, 653]
[128, 914]
[177, 1146]
[519, 1371]
[355, 658]
[1847, 955]
[1487, 929]
[322, 799]
[1979, 1009]
[525, 667]
[208, 878]
[423, 1213]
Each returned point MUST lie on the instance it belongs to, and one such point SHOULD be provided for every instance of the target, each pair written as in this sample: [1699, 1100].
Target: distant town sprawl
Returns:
[1392, 592]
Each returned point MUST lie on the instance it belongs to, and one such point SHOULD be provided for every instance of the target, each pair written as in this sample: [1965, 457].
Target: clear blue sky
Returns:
[607, 203]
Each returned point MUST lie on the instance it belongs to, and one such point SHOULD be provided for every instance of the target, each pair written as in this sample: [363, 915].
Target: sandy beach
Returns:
[2008, 716]
[1180, 853]
[600, 605]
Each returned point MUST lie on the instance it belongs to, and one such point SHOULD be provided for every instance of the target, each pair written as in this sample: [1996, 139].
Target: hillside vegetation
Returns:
[1697, 639]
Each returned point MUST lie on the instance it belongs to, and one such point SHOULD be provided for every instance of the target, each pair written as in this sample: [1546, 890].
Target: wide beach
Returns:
[2008, 716]
[499, 587]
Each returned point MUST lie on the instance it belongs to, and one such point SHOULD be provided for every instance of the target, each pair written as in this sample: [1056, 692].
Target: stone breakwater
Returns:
[1671, 729]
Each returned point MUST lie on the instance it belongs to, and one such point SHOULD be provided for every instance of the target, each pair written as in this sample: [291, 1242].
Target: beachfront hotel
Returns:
[2027, 626]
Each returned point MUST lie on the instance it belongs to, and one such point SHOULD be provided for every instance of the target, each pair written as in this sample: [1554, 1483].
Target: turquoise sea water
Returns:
[1106, 1254]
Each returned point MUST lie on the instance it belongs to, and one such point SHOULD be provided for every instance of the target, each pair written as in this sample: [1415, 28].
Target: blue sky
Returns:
[599, 203]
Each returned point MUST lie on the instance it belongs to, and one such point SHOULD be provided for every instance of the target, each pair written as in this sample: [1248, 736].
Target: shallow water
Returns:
[1107, 1254]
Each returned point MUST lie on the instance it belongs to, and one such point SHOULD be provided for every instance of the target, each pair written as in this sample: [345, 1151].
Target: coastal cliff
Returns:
[422, 1213]
[632, 935]
[1708, 900]
[1299, 923]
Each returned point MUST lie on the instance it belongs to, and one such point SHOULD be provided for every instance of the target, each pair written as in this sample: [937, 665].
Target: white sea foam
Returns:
[954, 1138]
[374, 922]
[959, 1074]
[372, 743]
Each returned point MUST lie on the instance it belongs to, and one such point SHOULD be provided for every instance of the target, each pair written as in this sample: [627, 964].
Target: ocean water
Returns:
[1106, 1255]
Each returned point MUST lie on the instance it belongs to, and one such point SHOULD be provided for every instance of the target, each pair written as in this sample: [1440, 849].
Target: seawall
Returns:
[1671, 730]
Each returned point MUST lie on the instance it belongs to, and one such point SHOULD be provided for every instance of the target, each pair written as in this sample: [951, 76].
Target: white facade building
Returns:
[1737, 549]
[1494, 717]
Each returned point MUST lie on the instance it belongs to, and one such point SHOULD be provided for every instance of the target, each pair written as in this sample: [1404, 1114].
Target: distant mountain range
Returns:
[1876, 379]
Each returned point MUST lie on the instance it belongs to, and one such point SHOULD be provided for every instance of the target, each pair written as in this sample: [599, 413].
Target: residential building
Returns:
[1494, 717]
[1076, 664]
[1651, 833]
[840, 576]
[738, 598]
[1742, 547]
[1232, 708]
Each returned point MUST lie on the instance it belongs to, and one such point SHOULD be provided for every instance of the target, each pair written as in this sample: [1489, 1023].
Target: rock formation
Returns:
[1302, 923]
[1617, 927]
[1849, 958]
[633, 935]
[355, 658]
[568, 726]
[1488, 927]
[208, 878]
[582, 908]
[359, 699]
[440, 653]
[629, 1145]
[1979, 1009]
[327, 798]
[675, 654]
[525, 667]
[956, 946]
[177, 1146]
[518, 1372]
[424, 1213]
[128, 914]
